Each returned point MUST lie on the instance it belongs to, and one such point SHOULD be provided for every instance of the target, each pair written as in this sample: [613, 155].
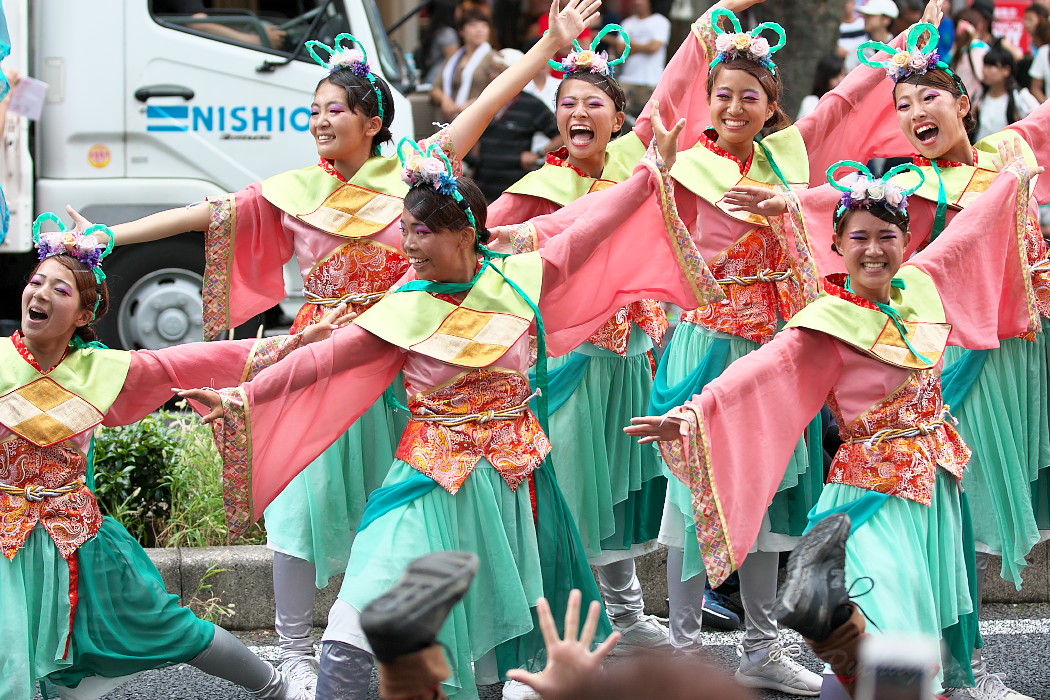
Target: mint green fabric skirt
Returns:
[915, 559]
[614, 486]
[125, 619]
[484, 517]
[1004, 420]
[800, 487]
[316, 515]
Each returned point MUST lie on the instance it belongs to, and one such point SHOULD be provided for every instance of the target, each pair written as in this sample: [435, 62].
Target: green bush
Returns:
[162, 479]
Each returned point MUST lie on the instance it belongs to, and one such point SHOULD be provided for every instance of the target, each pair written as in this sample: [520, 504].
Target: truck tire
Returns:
[155, 294]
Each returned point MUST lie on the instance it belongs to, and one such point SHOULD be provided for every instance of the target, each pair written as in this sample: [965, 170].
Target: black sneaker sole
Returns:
[408, 617]
[818, 560]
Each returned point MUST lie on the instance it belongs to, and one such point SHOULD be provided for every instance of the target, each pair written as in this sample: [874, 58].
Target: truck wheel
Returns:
[155, 294]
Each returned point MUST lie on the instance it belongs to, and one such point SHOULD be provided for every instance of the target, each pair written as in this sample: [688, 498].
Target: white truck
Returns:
[155, 104]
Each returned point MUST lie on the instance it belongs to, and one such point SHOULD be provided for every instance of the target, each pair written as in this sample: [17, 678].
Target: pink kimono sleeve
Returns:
[154, 373]
[738, 436]
[857, 120]
[1035, 130]
[275, 425]
[246, 248]
[615, 247]
[512, 208]
[980, 265]
[682, 90]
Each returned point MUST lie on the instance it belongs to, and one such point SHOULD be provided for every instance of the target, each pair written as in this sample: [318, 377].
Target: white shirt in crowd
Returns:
[993, 111]
[645, 68]
[852, 35]
[1040, 69]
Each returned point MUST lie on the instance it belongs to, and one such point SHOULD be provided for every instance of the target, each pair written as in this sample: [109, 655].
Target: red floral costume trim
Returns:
[449, 453]
[615, 333]
[923, 161]
[18, 340]
[905, 467]
[233, 439]
[709, 140]
[70, 519]
[329, 167]
[218, 266]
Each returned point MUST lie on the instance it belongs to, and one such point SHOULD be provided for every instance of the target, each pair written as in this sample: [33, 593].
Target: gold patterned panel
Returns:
[352, 212]
[45, 413]
[756, 219]
[471, 338]
[599, 185]
[928, 338]
[978, 185]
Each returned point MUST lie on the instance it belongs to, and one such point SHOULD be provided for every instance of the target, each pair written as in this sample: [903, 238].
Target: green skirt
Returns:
[614, 487]
[316, 515]
[1004, 421]
[125, 619]
[485, 517]
[800, 487]
[914, 556]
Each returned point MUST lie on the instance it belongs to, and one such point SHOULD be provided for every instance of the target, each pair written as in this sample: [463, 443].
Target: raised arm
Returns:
[1035, 130]
[774, 392]
[163, 224]
[980, 266]
[565, 26]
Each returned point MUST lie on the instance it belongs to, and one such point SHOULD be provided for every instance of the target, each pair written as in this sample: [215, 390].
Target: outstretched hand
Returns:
[209, 398]
[570, 661]
[81, 224]
[331, 321]
[756, 200]
[654, 429]
[499, 239]
[1009, 153]
[567, 24]
[932, 13]
[666, 141]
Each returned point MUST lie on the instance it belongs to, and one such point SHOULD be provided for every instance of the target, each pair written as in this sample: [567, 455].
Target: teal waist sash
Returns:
[958, 380]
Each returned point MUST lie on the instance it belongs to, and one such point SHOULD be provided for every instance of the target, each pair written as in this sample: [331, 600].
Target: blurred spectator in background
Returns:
[973, 36]
[851, 35]
[1040, 69]
[464, 75]
[947, 31]
[505, 150]
[831, 69]
[649, 33]
[269, 35]
[443, 39]
[1003, 102]
[1033, 15]
[878, 17]
[909, 12]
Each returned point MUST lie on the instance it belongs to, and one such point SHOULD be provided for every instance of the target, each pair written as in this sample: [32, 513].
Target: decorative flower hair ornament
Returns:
[580, 60]
[86, 247]
[432, 168]
[862, 190]
[741, 44]
[913, 60]
[353, 58]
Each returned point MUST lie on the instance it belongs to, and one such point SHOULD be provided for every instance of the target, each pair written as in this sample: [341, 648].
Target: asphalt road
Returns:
[1017, 638]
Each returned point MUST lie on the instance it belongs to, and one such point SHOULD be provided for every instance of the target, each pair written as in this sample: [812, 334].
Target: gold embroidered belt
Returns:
[355, 299]
[510, 413]
[871, 442]
[37, 492]
[762, 276]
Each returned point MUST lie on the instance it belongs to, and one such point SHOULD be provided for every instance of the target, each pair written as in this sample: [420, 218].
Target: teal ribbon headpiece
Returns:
[84, 247]
[432, 168]
[351, 57]
[864, 190]
[590, 60]
[912, 60]
[741, 44]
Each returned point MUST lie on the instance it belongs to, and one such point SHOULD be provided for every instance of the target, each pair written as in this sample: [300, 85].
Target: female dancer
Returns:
[1000, 395]
[81, 598]
[340, 219]
[764, 279]
[614, 487]
[470, 460]
[872, 348]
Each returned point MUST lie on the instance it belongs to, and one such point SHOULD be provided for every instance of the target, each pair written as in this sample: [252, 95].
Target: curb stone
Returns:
[246, 585]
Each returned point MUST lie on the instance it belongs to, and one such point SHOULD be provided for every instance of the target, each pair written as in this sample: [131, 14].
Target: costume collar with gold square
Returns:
[477, 332]
[72, 398]
[369, 202]
[857, 322]
[709, 175]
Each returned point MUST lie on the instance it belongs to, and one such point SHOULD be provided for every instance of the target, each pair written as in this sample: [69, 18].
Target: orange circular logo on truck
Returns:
[99, 156]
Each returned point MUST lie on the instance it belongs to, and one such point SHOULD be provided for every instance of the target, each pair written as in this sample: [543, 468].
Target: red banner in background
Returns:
[1009, 22]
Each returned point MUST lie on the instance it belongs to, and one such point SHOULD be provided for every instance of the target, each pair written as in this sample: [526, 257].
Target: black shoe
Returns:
[408, 617]
[813, 598]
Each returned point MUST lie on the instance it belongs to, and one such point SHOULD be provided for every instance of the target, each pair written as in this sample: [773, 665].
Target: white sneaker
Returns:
[989, 686]
[301, 672]
[777, 670]
[648, 632]
[516, 690]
